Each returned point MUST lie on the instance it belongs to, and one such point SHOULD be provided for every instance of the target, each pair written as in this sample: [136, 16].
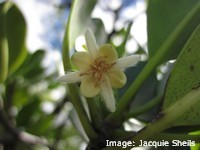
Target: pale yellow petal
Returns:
[107, 95]
[81, 60]
[88, 88]
[129, 61]
[117, 79]
[91, 43]
[109, 52]
[71, 77]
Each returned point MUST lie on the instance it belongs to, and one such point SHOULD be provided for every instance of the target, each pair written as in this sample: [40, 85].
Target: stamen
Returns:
[98, 69]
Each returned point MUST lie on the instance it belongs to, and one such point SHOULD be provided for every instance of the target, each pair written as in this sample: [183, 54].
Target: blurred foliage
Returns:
[30, 107]
[3, 46]
[16, 46]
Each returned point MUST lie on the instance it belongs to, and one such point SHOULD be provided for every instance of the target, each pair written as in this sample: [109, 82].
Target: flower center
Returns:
[98, 69]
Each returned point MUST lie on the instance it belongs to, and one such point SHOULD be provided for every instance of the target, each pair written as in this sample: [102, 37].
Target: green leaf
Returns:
[20, 97]
[3, 46]
[43, 125]
[79, 19]
[126, 33]
[16, 34]
[31, 62]
[27, 112]
[99, 31]
[185, 77]
[173, 22]
[196, 147]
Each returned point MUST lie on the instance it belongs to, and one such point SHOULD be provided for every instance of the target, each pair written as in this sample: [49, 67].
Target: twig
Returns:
[60, 105]
[20, 135]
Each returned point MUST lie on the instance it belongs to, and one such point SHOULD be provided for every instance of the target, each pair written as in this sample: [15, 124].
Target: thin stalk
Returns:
[76, 101]
[144, 108]
[95, 113]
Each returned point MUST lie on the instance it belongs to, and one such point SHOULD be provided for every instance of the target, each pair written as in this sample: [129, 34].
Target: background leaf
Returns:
[164, 17]
[79, 19]
[99, 31]
[16, 34]
[185, 78]
[3, 46]
[31, 62]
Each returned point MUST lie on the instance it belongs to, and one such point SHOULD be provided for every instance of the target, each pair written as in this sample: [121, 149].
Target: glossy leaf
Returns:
[16, 34]
[171, 22]
[79, 19]
[185, 77]
[3, 46]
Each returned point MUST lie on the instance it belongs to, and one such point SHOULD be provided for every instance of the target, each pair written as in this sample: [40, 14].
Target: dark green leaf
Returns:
[20, 97]
[184, 78]
[31, 62]
[42, 125]
[166, 17]
[3, 46]
[27, 111]
[16, 34]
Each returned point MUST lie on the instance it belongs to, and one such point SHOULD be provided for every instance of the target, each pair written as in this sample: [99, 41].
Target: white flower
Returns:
[99, 70]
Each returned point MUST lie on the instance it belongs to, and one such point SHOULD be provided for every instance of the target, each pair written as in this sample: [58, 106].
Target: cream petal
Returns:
[81, 60]
[91, 43]
[71, 77]
[109, 52]
[117, 79]
[88, 88]
[128, 61]
[107, 95]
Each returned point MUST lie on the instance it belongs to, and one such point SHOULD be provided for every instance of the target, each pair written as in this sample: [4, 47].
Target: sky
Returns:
[46, 25]
[43, 17]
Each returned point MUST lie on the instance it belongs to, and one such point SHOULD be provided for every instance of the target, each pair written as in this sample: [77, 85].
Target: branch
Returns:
[60, 105]
[19, 135]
